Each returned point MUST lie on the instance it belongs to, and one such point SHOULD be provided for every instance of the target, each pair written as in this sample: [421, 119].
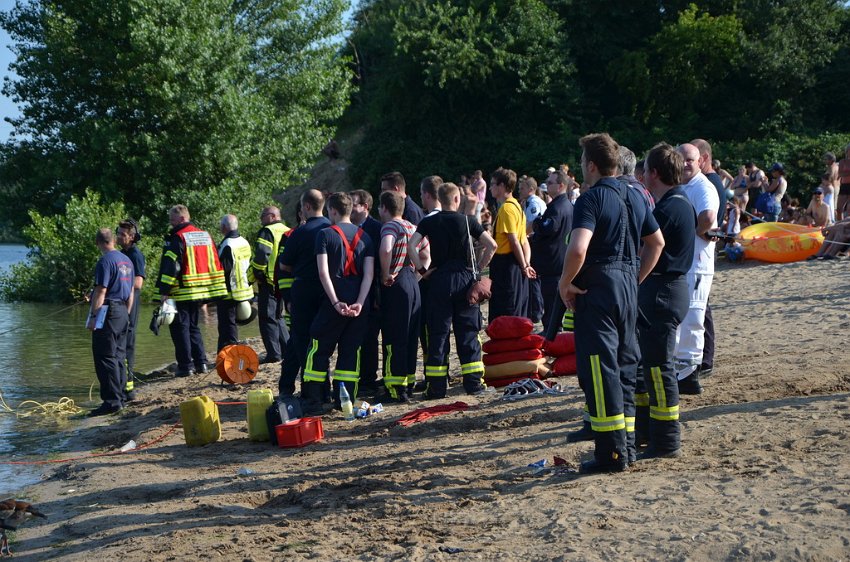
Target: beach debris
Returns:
[129, 446]
[538, 466]
[13, 514]
[244, 472]
[423, 414]
[558, 461]
[365, 410]
[450, 549]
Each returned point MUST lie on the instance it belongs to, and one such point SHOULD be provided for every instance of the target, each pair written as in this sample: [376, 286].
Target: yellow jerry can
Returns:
[200, 421]
[258, 402]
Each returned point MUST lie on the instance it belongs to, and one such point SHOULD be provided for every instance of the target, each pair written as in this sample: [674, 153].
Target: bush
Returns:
[63, 253]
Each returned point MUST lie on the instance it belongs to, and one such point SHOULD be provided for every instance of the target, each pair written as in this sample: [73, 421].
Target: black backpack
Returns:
[282, 410]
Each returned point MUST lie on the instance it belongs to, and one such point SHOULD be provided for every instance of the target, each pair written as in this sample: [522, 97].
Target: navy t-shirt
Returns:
[115, 271]
[329, 242]
[717, 182]
[412, 213]
[446, 233]
[678, 221]
[600, 209]
[138, 258]
[299, 251]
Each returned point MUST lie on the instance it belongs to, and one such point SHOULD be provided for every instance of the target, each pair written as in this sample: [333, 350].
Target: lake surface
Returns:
[45, 351]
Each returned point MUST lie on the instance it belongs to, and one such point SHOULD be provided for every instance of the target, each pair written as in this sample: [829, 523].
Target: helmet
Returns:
[245, 313]
[163, 315]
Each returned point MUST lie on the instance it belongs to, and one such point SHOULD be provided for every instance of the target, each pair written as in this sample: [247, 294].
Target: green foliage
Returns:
[63, 252]
[212, 103]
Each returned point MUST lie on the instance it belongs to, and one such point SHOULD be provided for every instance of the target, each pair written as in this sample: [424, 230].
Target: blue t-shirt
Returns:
[678, 221]
[600, 209]
[115, 271]
[299, 250]
[138, 258]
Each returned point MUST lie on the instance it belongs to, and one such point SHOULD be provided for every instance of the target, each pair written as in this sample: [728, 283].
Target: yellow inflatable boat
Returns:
[779, 242]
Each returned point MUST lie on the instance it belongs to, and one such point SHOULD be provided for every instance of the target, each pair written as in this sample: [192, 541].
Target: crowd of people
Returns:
[627, 256]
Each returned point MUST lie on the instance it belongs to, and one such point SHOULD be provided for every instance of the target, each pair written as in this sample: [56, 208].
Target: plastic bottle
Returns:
[345, 403]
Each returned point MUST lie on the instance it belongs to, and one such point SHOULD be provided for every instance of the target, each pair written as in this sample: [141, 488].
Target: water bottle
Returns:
[345, 403]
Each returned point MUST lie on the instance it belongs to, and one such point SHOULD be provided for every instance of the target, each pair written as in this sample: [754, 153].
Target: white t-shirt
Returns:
[703, 196]
[534, 208]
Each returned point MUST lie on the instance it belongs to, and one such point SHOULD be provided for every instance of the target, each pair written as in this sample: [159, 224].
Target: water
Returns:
[47, 355]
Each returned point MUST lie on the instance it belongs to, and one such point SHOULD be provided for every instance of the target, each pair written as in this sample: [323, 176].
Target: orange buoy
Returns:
[237, 364]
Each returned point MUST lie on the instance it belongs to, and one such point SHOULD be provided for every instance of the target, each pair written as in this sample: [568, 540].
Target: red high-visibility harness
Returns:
[350, 267]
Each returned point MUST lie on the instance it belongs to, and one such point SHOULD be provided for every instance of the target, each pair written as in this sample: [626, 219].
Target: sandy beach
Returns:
[765, 473]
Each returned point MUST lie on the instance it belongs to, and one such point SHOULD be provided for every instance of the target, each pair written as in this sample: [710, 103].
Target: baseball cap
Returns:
[550, 169]
[817, 190]
[543, 188]
[777, 167]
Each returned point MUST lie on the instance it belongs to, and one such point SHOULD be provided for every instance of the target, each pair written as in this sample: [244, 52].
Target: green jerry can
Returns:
[200, 421]
[258, 402]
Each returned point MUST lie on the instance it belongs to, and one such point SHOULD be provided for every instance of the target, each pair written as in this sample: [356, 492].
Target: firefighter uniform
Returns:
[448, 306]
[138, 259]
[190, 274]
[400, 309]
[270, 308]
[234, 253]
[114, 272]
[663, 302]
[370, 361]
[606, 315]
[303, 290]
[347, 247]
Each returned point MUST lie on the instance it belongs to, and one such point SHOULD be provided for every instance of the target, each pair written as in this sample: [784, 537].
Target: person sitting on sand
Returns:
[817, 213]
[836, 241]
[789, 212]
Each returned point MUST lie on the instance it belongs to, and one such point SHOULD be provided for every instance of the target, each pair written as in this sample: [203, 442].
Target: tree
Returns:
[212, 103]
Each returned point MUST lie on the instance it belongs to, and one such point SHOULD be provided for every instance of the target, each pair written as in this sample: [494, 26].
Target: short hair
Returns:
[446, 192]
[715, 164]
[794, 202]
[505, 176]
[529, 180]
[362, 196]
[395, 179]
[179, 211]
[703, 146]
[341, 203]
[602, 150]
[668, 162]
[626, 161]
[271, 210]
[314, 198]
[749, 164]
[430, 184]
[829, 156]
[562, 177]
[230, 222]
[393, 202]
[130, 225]
[104, 236]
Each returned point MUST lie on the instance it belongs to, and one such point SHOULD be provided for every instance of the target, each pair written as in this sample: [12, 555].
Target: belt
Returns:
[116, 301]
[666, 276]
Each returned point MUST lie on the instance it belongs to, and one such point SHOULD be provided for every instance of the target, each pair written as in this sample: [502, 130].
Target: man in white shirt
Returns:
[691, 334]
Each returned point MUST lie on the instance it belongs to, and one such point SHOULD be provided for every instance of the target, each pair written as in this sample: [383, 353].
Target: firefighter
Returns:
[271, 317]
[599, 283]
[234, 253]
[190, 274]
[128, 236]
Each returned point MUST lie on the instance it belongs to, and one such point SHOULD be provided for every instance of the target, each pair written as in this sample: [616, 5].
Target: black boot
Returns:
[437, 387]
[610, 454]
[583, 434]
[312, 398]
[472, 384]
[665, 437]
[690, 384]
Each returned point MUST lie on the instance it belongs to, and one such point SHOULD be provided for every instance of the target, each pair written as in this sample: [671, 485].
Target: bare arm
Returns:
[705, 221]
[131, 301]
[649, 253]
[489, 249]
[385, 254]
[418, 262]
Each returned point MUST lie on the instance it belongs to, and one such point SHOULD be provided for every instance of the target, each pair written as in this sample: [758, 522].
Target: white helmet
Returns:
[245, 313]
[167, 312]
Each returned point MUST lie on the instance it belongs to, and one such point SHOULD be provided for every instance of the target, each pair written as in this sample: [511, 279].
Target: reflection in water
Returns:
[46, 355]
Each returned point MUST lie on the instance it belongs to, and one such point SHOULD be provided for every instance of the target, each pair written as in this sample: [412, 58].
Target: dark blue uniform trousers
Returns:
[663, 302]
[131, 332]
[369, 358]
[228, 331]
[305, 297]
[272, 323]
[108, 349]
[607, 353]
[447, 309]
[509, 288]
[186, 335]
[401, 307]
